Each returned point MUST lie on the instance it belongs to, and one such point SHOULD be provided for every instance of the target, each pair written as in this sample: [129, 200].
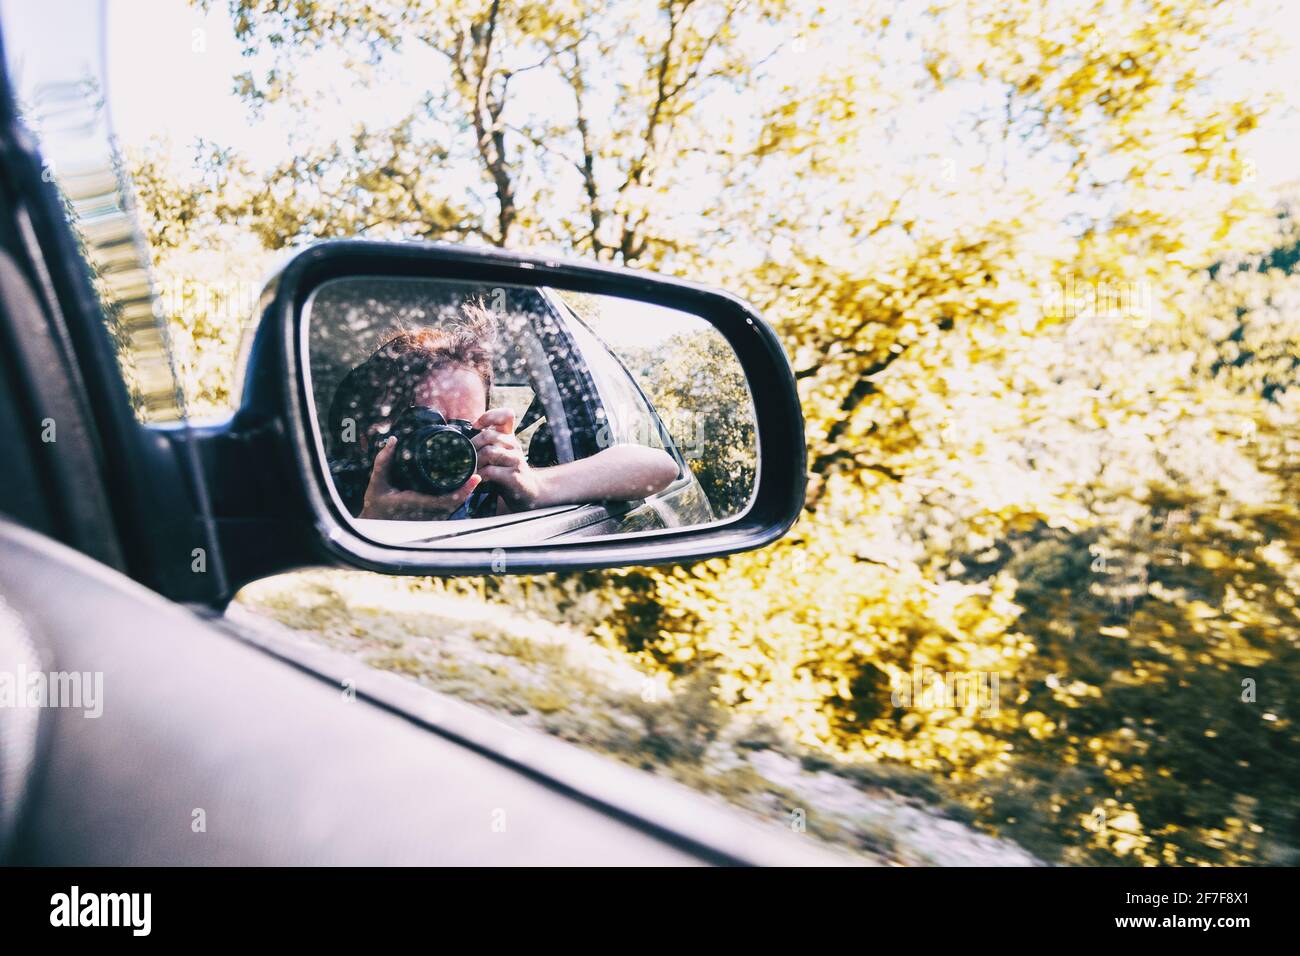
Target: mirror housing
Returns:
[269, 487]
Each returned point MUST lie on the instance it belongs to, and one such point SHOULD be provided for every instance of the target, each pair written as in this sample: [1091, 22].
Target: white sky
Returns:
[170, 69]
[627, 323]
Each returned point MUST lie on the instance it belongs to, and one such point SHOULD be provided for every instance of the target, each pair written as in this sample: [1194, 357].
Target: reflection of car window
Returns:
[628, 417]
[517, 398]
[537, 381]
[350, 317]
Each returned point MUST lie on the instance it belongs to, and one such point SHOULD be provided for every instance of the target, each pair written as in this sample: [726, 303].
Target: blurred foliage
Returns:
[1043, 320]
[698, 388]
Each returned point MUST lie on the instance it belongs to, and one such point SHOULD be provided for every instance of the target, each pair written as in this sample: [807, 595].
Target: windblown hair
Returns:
[385, 383]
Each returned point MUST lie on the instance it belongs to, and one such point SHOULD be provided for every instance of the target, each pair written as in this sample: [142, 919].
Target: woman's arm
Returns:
[621, 473]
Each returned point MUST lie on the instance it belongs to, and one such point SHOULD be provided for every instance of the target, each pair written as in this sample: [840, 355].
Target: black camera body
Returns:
[434, 456]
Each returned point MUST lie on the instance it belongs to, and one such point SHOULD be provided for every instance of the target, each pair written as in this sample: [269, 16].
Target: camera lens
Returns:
[443, 458]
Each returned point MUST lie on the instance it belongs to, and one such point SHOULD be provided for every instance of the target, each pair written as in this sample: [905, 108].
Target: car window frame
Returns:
[158, 510]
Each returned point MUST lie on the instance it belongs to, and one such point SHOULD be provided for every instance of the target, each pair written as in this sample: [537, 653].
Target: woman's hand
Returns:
[621, 473]
[384, 501]
[501, 460]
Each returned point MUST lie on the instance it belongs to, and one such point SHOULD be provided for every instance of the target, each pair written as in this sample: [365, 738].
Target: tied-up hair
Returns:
[385, 384]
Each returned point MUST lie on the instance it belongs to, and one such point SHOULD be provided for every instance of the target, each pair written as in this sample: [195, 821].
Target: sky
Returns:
[197, 54]
[149, 39]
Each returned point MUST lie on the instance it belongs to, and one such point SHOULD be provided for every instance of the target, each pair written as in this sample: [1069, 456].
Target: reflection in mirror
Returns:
[457, 415]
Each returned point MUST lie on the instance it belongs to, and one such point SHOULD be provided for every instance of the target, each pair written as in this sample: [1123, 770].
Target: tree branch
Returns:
[491, 136]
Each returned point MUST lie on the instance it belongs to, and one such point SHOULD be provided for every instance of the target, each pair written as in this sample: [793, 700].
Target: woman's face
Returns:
[453, 391]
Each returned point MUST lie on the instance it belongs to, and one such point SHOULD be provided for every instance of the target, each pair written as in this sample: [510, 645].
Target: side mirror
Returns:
[457, 410]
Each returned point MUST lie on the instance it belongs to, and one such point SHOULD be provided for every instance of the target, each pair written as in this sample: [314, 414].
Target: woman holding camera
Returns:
[449, 369]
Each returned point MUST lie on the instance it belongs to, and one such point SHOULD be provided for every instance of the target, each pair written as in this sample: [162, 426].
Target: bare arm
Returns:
[621, 473]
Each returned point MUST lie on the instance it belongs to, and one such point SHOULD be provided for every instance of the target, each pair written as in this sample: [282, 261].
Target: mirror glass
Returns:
[458, 415]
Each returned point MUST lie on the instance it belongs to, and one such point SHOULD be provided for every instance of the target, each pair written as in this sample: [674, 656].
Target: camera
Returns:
[434, 456]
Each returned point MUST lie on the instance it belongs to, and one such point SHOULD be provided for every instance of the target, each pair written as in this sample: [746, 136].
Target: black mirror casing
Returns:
[268, 484]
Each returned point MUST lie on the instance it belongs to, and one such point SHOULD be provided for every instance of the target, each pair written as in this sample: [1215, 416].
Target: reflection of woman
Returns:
[449, 368]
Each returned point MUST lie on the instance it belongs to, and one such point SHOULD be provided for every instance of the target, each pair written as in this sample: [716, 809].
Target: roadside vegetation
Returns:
[559, 680]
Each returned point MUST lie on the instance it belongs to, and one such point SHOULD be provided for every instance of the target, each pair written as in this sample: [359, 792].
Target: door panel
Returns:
[285, 769]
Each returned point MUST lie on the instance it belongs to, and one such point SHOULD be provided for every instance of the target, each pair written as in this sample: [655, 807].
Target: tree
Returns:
[1009, 247]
